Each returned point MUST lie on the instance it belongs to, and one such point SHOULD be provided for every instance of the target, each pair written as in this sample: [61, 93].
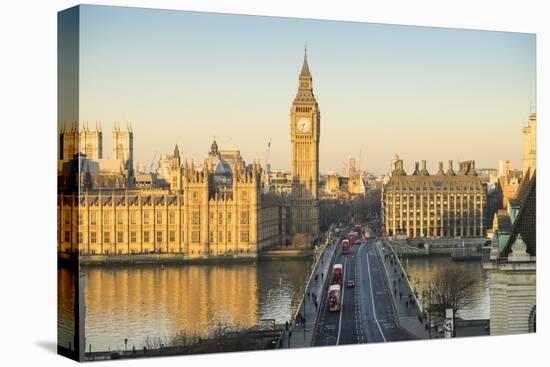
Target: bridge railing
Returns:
[407, 247]
[324, 285]
[398, 260]
[319, 254]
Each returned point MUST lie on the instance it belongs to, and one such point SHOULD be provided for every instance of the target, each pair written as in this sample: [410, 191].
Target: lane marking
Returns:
[342, 302]
[358, 305]
[393, 299]
[372, 297]
[362, 309]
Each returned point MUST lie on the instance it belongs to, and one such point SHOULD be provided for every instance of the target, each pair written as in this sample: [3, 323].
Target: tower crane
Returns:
[267, 155]
[152, 162]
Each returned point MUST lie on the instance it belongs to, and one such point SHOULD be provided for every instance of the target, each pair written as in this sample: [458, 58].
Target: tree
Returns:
[151, 343]
[357, 209]
[333, 211]
[450, 288]
[183, 339]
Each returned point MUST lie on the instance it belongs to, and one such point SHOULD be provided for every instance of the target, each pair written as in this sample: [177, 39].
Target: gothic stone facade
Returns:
[443, 205]
[199, 220]
[218, 209]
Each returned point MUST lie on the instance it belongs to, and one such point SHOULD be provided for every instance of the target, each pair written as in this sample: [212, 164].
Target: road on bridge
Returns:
[367, 314]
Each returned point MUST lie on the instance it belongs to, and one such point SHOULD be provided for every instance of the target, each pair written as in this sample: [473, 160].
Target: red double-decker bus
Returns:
[334, 298]
[345, 247]
[337, 276]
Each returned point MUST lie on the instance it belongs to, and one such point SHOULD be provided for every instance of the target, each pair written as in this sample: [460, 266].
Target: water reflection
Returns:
[149, 301]
[422, 269]
[65, 308]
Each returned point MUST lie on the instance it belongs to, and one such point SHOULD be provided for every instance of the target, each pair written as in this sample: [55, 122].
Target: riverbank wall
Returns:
[167, 259]
[150, 259]
[426, 247]
[238, 341]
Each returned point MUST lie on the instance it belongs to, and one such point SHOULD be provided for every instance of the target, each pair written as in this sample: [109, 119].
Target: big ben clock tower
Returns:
[305, 123]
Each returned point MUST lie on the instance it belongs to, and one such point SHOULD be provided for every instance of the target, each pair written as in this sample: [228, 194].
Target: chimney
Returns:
[440, 172]
[424, 171]
[450, 171]
[415, 168]
[399, 167]
[472, 170]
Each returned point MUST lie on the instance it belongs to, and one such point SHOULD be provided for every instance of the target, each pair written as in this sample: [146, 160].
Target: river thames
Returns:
[140, 302]
[422, 269]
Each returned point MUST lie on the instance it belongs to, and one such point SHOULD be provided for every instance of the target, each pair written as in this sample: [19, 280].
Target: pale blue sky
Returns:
[425, 93]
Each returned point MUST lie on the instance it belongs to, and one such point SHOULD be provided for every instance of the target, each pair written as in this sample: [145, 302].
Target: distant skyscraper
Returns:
[350, 167]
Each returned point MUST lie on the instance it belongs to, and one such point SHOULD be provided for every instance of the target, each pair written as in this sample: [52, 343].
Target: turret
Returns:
[176, 160]
[214, 148]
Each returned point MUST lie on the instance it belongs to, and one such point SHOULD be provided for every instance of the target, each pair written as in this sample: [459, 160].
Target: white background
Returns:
[28, 183]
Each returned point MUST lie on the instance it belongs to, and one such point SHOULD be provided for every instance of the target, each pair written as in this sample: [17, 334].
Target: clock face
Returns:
[303, 125]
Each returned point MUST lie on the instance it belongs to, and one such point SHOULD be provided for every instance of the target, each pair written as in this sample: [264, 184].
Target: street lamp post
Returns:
[125, 345]
[305, 302]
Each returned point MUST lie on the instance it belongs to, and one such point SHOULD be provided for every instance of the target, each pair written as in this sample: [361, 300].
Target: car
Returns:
[350, 283]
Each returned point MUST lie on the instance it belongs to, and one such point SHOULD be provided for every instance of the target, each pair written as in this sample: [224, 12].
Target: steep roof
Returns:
[417, 182]
[522, 191]
[305, 67]
[305, 90]
[525, 223]
[504, 223]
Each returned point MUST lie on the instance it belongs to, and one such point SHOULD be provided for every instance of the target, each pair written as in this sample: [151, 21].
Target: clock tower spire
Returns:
[305, 123]
[305, 84]
[305, 68]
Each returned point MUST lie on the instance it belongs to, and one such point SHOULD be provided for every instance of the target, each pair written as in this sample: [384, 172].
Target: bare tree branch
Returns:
[450, 288]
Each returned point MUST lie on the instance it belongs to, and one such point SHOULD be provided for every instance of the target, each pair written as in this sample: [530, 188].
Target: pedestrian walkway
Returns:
[405, 302]
[300, 330]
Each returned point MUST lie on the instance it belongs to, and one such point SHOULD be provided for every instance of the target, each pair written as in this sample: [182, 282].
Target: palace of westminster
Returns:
[217, 208]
